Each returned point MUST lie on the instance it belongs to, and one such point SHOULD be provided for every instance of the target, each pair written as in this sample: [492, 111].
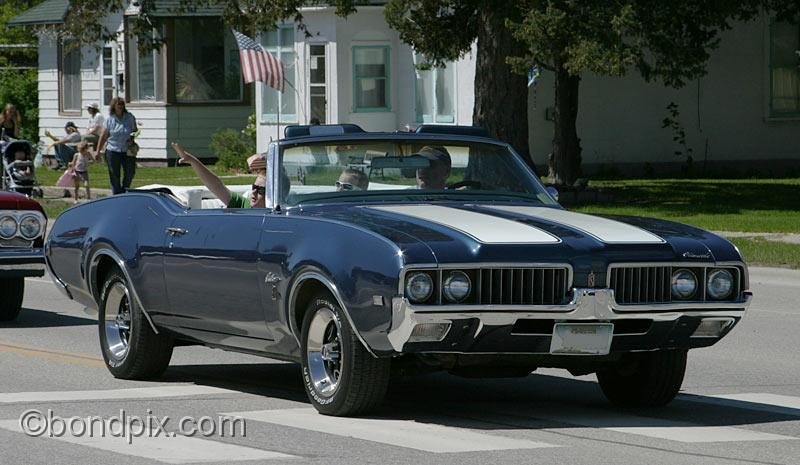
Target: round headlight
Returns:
[8, 227]
[30, 227]
[720, 284]
[684, 284]
[457, 286]
[419, 287]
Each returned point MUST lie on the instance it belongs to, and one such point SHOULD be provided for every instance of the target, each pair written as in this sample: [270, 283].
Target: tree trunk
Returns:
[501, 95]
[564, 168]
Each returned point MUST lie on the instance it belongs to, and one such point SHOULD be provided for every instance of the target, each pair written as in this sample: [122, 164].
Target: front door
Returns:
[317, 84]
[211, 273]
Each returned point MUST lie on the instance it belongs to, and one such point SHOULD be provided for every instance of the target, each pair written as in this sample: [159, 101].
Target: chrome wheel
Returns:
[117, 321]
[324, 352]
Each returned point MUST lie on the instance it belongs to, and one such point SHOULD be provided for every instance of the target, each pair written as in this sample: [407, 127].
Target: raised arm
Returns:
[207, 177]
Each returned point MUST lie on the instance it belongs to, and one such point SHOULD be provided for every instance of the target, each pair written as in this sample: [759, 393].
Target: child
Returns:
[80, 168]
[20, 155]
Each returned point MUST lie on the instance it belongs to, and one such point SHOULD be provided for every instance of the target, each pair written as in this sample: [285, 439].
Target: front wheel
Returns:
[11, 290]
[651, 379]
[341, 378]
[131, 349]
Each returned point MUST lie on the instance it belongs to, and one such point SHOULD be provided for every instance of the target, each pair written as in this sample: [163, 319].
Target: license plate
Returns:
[581, 338]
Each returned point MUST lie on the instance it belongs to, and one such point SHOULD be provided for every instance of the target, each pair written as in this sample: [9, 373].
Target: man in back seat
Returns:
[255, 163]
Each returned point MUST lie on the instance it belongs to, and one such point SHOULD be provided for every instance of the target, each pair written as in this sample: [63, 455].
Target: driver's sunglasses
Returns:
[346, 186]
[261, 190]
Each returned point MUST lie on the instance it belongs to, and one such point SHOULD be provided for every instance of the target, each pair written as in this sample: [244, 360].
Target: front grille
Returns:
[522, 286]
[644, 284]
[653, 284]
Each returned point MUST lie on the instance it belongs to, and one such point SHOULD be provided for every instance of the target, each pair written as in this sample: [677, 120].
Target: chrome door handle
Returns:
[176, 231]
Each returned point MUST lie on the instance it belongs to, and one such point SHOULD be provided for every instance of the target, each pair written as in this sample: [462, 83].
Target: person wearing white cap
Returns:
[95, 126]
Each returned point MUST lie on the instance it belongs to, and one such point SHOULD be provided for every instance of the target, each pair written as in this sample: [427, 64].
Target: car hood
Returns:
[470, 232]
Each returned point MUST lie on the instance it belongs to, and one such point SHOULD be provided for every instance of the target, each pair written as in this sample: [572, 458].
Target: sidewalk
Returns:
[789, 238]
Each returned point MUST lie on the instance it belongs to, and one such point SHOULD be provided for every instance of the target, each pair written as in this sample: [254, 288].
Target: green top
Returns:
[238, 201]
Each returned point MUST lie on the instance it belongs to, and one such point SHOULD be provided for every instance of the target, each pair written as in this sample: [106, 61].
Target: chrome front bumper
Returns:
[586, 305]
[20, 262]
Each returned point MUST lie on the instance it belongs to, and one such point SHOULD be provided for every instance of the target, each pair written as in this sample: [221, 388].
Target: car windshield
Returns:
[397, 170]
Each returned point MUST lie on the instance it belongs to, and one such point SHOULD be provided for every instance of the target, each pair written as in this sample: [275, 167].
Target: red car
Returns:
[22, 229]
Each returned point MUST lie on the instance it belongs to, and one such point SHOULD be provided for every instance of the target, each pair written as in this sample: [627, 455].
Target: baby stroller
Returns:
[18, 168]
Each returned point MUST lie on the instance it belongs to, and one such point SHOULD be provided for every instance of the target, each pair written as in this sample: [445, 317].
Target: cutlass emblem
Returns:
[696, 255]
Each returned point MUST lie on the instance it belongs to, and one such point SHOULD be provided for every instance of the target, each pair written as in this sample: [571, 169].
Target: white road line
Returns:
[651, 427]
[132, 393]
[402, 433]
[774, 403]
[177, 449]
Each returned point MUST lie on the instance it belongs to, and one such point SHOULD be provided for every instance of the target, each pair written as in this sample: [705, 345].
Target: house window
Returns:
[371, 78]
[784, 69]
[146, 74]
[317, 83]
[435, 89]
[206, 62]
[108, 74]
[280, 43]
[69, 77]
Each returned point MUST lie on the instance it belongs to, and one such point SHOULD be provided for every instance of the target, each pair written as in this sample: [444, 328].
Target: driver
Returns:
[435, 175]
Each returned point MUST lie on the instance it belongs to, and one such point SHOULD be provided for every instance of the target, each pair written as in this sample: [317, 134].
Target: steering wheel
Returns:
[467, 183]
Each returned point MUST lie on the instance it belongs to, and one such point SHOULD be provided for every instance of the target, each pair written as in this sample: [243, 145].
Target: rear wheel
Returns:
[11, 292]
[131, 349]
[341, 378]
[652, 379]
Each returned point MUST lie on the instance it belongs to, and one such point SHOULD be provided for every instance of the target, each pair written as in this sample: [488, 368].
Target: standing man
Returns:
[117, 135]
[95, 126]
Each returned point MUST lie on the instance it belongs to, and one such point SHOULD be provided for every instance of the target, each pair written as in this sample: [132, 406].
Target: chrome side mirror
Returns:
[553, 192]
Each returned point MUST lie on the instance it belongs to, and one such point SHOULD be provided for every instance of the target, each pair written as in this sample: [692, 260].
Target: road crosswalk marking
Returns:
[131, 393]
[403, 433]
[645, 426]
[774, 403]
[175, 450]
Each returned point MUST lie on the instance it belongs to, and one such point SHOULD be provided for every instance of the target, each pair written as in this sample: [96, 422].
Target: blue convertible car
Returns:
[386, 253]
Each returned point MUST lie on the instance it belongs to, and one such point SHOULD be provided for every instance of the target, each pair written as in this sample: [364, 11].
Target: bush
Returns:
[21, 88]
[231, 149]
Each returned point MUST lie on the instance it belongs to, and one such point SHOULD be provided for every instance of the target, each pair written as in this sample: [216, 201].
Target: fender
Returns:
[91, 274]
[328, 283]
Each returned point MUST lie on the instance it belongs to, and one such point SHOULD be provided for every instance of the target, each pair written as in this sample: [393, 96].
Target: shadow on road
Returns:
[533, 402]
[32, 318]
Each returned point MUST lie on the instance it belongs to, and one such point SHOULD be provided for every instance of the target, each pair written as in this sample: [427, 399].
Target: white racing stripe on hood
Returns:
[485, 228]
[605, 230]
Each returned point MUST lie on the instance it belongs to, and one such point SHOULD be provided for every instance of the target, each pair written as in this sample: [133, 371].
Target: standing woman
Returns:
[10, 121]
[115, 139]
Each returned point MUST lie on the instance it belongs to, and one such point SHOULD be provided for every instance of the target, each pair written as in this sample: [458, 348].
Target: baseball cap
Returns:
[94, 106]
[435, 153]
[256, 162]
[70, 124]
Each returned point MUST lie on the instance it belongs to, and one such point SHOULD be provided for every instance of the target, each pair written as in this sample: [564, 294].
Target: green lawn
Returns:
[759, 251]
[176, 176]
[750, 205]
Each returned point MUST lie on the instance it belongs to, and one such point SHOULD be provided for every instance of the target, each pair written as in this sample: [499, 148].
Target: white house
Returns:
[744, 115]
[350, 70]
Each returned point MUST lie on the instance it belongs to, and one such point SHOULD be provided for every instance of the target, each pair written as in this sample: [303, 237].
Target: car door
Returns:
[212, 277]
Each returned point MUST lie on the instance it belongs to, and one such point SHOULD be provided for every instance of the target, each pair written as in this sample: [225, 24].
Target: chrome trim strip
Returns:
[61, 285]
[121, 264]
[335, 291]
[587, 304]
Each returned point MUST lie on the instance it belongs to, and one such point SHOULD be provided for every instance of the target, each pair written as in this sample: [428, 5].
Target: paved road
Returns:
[740, 403]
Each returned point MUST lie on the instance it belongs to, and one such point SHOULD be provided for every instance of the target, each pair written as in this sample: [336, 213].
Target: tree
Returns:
[18, 85]
[666, 40]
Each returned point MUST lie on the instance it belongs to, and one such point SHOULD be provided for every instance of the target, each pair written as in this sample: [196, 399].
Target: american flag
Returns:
[258, 64]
